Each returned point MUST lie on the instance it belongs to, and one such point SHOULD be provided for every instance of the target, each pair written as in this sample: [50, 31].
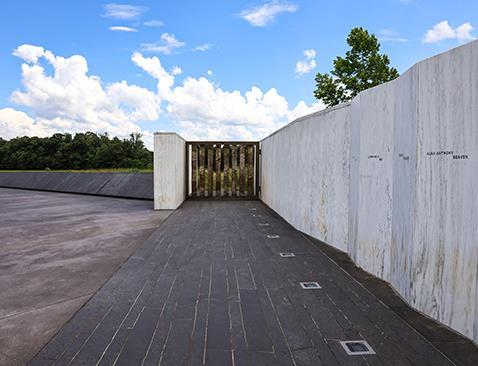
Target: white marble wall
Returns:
[371, 179]
[169, 171]
[404, 176]
[374, 116]
[305, 174]
[445, 235]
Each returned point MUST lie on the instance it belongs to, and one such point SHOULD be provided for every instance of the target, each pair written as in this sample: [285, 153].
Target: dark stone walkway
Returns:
[209, 287]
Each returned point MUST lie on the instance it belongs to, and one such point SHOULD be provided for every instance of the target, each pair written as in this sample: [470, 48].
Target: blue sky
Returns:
[219, 46]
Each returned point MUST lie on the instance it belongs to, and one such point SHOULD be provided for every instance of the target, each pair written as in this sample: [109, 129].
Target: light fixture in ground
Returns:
[310, 285]
[357, 348]
[287, 255]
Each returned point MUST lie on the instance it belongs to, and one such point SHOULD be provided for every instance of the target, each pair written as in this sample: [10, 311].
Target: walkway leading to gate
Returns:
[210, 287]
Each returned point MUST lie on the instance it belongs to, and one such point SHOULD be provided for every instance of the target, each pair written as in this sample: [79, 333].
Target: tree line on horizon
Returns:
[79, 152]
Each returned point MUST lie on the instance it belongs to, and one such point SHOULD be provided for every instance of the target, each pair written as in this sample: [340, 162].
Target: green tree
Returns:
[362, 67]
[86, 150]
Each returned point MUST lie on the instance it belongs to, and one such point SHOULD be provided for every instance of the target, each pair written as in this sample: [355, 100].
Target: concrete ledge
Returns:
[125, 185]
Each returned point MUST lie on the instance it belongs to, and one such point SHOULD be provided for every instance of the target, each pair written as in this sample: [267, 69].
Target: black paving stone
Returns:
[209, 288]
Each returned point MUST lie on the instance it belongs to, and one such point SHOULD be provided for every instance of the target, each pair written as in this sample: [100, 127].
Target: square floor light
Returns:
[273, 236]
[287, 255]
[310, 285]
[357, 348]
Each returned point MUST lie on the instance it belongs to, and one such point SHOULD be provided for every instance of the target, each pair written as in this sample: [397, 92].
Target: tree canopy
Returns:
[81, 151]
[362, 67]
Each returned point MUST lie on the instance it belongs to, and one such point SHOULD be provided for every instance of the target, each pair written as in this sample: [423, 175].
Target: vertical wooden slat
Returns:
[234, 169]
[250, 170]
[194, 161]
[229, 170]
[218, 170]
[227, 186]
[241, 170]
[209, 170]
[201, 171]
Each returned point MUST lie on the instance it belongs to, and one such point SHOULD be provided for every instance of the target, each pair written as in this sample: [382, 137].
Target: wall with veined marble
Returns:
[392, 178]
[305, 174]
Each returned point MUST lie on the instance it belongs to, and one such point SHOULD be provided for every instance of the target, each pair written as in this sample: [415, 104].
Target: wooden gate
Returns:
[222, 169]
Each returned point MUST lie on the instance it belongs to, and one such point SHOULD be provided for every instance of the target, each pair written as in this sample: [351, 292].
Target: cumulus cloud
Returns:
[119, 28]
[15, 123]
[204, 111]
[261, 16]
[443, 30]
[123, 11]
[29, 53]
[153, 67]
[69, 99]
[166, 45]
[307, 64]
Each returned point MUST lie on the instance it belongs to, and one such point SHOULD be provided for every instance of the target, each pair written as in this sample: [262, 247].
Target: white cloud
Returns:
[118, 28]
[443, 30]
[123, 11]
[70, 100]
[263, 15]
[205, 111]
[15, 123]
[153, 67]
[176, 70]
[166, 45]
[307, 64]
[463, 32]
[204, 47]
[29, 53]
[390, 35]
[154, 23]
[209, 72]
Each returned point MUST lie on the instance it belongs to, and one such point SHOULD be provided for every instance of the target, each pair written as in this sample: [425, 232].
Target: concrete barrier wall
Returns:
[404, 154]
[169, 171]
[127, 185]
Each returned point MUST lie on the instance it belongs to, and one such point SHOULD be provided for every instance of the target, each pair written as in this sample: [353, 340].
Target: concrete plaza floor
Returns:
[210, 287]
[56, 250]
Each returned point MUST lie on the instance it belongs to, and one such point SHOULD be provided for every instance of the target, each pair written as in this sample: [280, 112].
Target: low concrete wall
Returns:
[127, 185]
[169, 171]
[392, 179]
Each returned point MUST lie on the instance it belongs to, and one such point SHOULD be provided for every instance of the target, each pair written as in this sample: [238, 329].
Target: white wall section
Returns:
[392, 178]
[305, 174]
[169, 171]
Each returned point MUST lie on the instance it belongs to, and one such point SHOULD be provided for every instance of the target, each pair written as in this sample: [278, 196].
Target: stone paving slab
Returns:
[209, 287]
[56, 251]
